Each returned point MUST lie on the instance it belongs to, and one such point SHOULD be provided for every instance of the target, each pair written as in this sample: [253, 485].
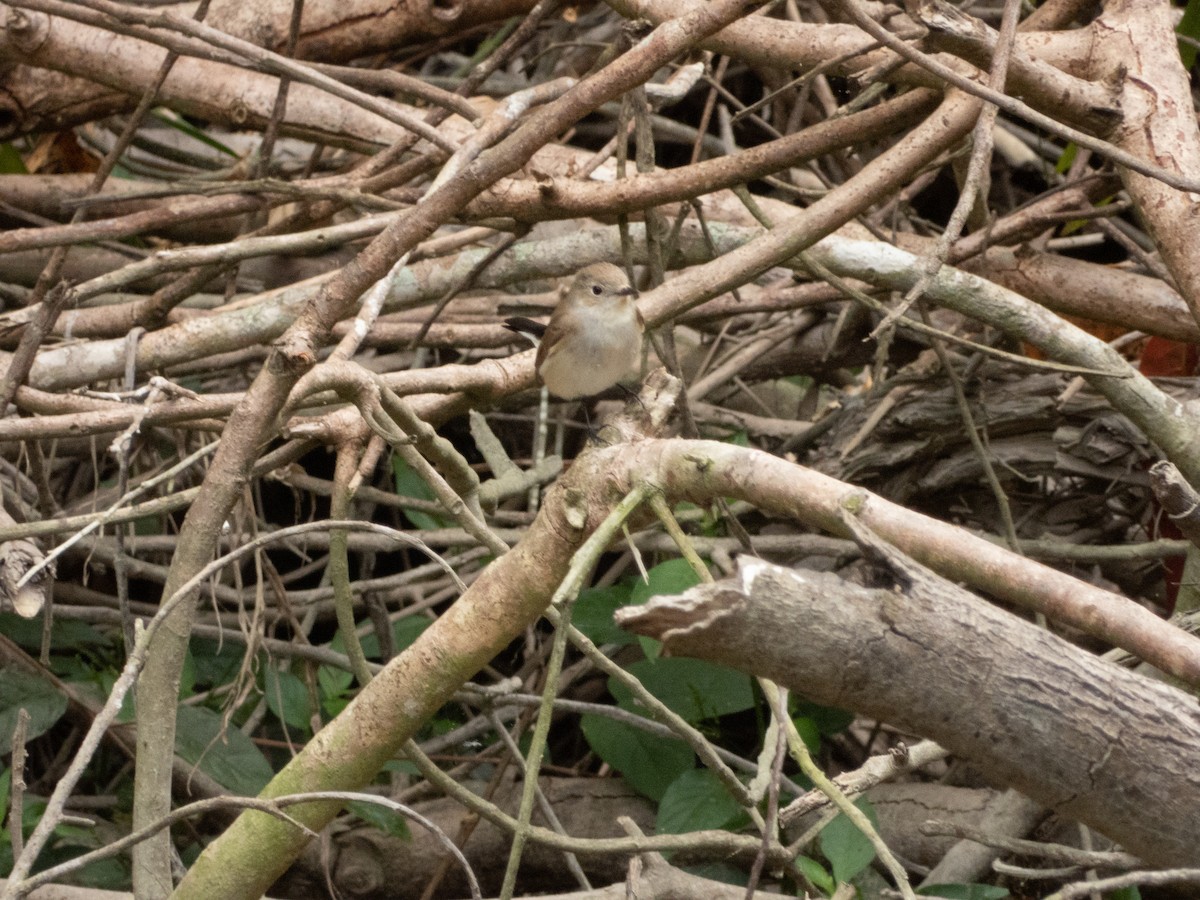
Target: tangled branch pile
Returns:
[257, 259]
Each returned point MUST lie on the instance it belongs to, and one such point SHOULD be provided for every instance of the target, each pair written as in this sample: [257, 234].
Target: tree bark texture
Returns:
[1087, 739]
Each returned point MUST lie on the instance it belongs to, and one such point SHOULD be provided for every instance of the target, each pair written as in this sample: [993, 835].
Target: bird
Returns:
[593, 338]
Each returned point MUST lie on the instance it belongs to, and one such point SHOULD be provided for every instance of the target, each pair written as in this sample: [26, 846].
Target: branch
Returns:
[1087, 739]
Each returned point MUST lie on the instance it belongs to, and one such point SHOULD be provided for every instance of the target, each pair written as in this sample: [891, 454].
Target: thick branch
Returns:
[1135, 45]
[266, 852]
[1085, 738]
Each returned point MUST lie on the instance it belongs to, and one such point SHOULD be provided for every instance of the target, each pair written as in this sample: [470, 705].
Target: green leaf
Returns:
[696, 801]
[64, 635]
[828, 719]
[671, 577]
[5, 786]
[187, 675]
[1066, 158]
[816, 874]
[1129, 893]
[809, 733]
[410, 484]
[214, 662]
[1189, 26]
[593, 614]
[287, 697]
[847, 848]
[106, 681]
[649, 763]
[722, 873]
[149, 526]
[402, 766]
[230, 757]
[404, 632]
[44, 703]
[966, 891]
[387, 820]
[692, 688]
[333, 681]
[176, 121]
[11, 162]
[334, 706]
[738, 438]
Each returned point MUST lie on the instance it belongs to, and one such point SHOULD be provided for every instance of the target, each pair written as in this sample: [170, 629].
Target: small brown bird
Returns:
[594, 337]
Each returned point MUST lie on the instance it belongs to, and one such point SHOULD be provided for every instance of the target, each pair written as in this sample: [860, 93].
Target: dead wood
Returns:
[368, 863]
[1057, 445]
[1082, 737]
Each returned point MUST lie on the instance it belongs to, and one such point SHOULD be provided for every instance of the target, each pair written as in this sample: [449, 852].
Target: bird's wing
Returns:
[527, 328]
[551, 342]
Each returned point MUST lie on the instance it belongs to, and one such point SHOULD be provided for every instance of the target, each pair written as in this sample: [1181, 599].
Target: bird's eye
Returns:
[597, 290]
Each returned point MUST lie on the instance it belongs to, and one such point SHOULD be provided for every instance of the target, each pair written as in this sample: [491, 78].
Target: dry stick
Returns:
[17, 884]
[156, 308]
[273, 807]
[719, 844]
[1132, 879]
[977, 169]
[156, 28]
[266, 146]
[125, 226]
[399, 82]
[544, 807]
[1013, 106]
[295, 352]
[973, 435]
[885, 173]
[16, 809]
[95, 521]
[121, 448]
[22, 359]
[876, 770]
[333, 299]
[775, 775]
[368, 313]
[786, 489]
[339, 562]
[656, 254]
[470, 822]
[442, 302]
[136, 223]
[206, 263]
[70, 524]
[810, 260]
[1060, 854]
[567, 198]
[393, 419]
[458, 490]
[256, 329]
[795, 742]
[1163, 419]
[980, 158]
[584, 561]
[1160, 124]
[857, 817]
[16, 557]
